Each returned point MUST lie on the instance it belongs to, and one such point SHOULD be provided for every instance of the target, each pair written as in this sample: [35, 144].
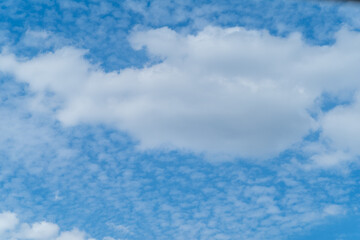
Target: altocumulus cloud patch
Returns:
[230, 91]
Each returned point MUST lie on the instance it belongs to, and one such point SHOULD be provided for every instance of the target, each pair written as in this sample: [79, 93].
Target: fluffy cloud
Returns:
[11, 229]
[235, 91]
[8, 221]
[341, 126]
[39, 231]
[72, 235]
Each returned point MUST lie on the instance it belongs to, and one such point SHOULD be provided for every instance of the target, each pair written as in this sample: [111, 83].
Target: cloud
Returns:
[334, 209]
[225, 90]
[341, 126]
[72, 235]
[8, 221]
[40, 40]
[39, 230]
[10, 229]
[327, 159]
[338, 143]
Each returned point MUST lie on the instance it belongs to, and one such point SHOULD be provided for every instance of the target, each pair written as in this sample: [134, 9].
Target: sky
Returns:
[172, 120]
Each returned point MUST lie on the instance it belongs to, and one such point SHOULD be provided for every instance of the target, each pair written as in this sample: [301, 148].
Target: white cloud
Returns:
[41, 39]
[330, 158]
[334, 209]
[341, 126]
[339, 143]
[11, 229]
[234, 91]
[39, 231]
[75, 234]
[8, 221]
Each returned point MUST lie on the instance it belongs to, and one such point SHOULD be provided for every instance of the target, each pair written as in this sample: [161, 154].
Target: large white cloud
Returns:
[234, 91]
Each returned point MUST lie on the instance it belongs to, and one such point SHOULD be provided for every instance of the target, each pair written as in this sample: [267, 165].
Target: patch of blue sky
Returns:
[329, 101]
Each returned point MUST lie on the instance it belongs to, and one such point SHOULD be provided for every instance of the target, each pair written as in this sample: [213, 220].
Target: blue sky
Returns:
[179, 120]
